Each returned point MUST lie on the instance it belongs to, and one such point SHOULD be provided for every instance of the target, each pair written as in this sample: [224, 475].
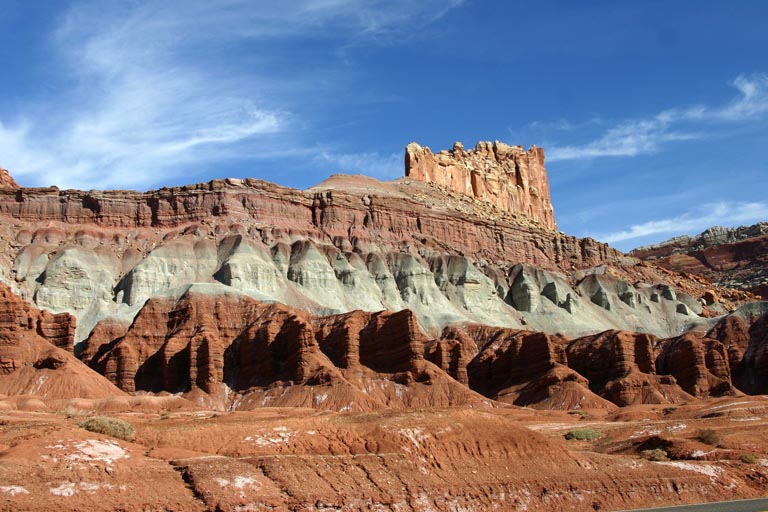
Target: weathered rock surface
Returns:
[244, 294]
[350, 243]
[6, 181]
[220, 342]
[508, 177]
[298, 459]
[753, 370]
[523, 368]
[699, 364]
[733, 257]
[377, 246]
[621, 368]
[35, 357]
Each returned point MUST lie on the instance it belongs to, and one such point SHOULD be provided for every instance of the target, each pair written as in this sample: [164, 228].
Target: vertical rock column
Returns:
[508, 177]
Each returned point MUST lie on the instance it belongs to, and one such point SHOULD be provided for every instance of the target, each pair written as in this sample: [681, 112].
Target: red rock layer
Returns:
[362, 223]
[384, 342]
[736, 257]
[6, 181]
[273, 354]
[620, 367]
[733, 332]
[18, 320]
[699, 364]
[517, 367]
[31, 361]
[508, 177]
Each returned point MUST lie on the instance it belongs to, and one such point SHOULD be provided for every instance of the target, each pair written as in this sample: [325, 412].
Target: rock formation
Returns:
[229, 350]
[217, 342]
[621, 368]
[700, 365]
[361, 295]
[733, 257]
[349, 243]
[753, 370]
[33, 354]
[527, 368]
[508, 177]
[6, 181]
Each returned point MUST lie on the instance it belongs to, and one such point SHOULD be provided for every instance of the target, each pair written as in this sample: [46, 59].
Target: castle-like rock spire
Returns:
[508, 177]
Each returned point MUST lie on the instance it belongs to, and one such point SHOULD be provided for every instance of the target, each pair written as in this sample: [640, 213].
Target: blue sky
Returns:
[653, 114]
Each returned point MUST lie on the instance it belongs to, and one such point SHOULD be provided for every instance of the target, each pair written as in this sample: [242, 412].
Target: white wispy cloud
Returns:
[706, 216]
[648, 135]
[154, 88]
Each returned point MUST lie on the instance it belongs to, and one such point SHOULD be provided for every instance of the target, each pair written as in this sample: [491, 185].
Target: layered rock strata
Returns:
[35, 356]
[621, 368]
[349, 243]
[270, 354]
[508, 177]
[226, 350]
[6, 181]
[734, 257]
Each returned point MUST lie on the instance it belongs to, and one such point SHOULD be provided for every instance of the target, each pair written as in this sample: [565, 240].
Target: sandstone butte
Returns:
[507, 177]
[381, 335]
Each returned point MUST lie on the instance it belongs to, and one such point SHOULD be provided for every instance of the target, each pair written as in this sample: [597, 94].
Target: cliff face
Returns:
[508, 177]
[272, 355]
[734, 257]
[348, 243]
[6, 181]
[35, 354]
[242, 353]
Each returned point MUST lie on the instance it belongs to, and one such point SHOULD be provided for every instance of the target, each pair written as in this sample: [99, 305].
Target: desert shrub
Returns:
[584, 434]
[656, 455]
[107, 425]
[749, 458]
[669, 410]
[708, 436]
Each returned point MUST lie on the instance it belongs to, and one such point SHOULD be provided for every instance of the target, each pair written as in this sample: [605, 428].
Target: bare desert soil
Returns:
[454, 459]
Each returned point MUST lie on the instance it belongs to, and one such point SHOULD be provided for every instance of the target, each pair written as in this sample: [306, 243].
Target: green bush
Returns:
[749, 458]
[656, 455]
[584, 434]
[107, 425]
[708, 436]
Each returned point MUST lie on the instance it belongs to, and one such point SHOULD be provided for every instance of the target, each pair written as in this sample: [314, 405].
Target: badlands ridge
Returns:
[383, 329]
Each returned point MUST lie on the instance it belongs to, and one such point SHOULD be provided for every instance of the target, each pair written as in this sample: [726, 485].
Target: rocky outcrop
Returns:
[350, 243]
[35, 354]
[18, 320]
[753, 377]
[508, 177]
[453, 352]
[526, 368]
[620, 367]
[346, 244]
[228, 350]
[734, 257]
[733, 332]
[699, 364]
[240, 293]
[216, 342]
[7, 182]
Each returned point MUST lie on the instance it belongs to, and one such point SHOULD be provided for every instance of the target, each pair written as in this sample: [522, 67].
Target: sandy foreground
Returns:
[455, 459]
